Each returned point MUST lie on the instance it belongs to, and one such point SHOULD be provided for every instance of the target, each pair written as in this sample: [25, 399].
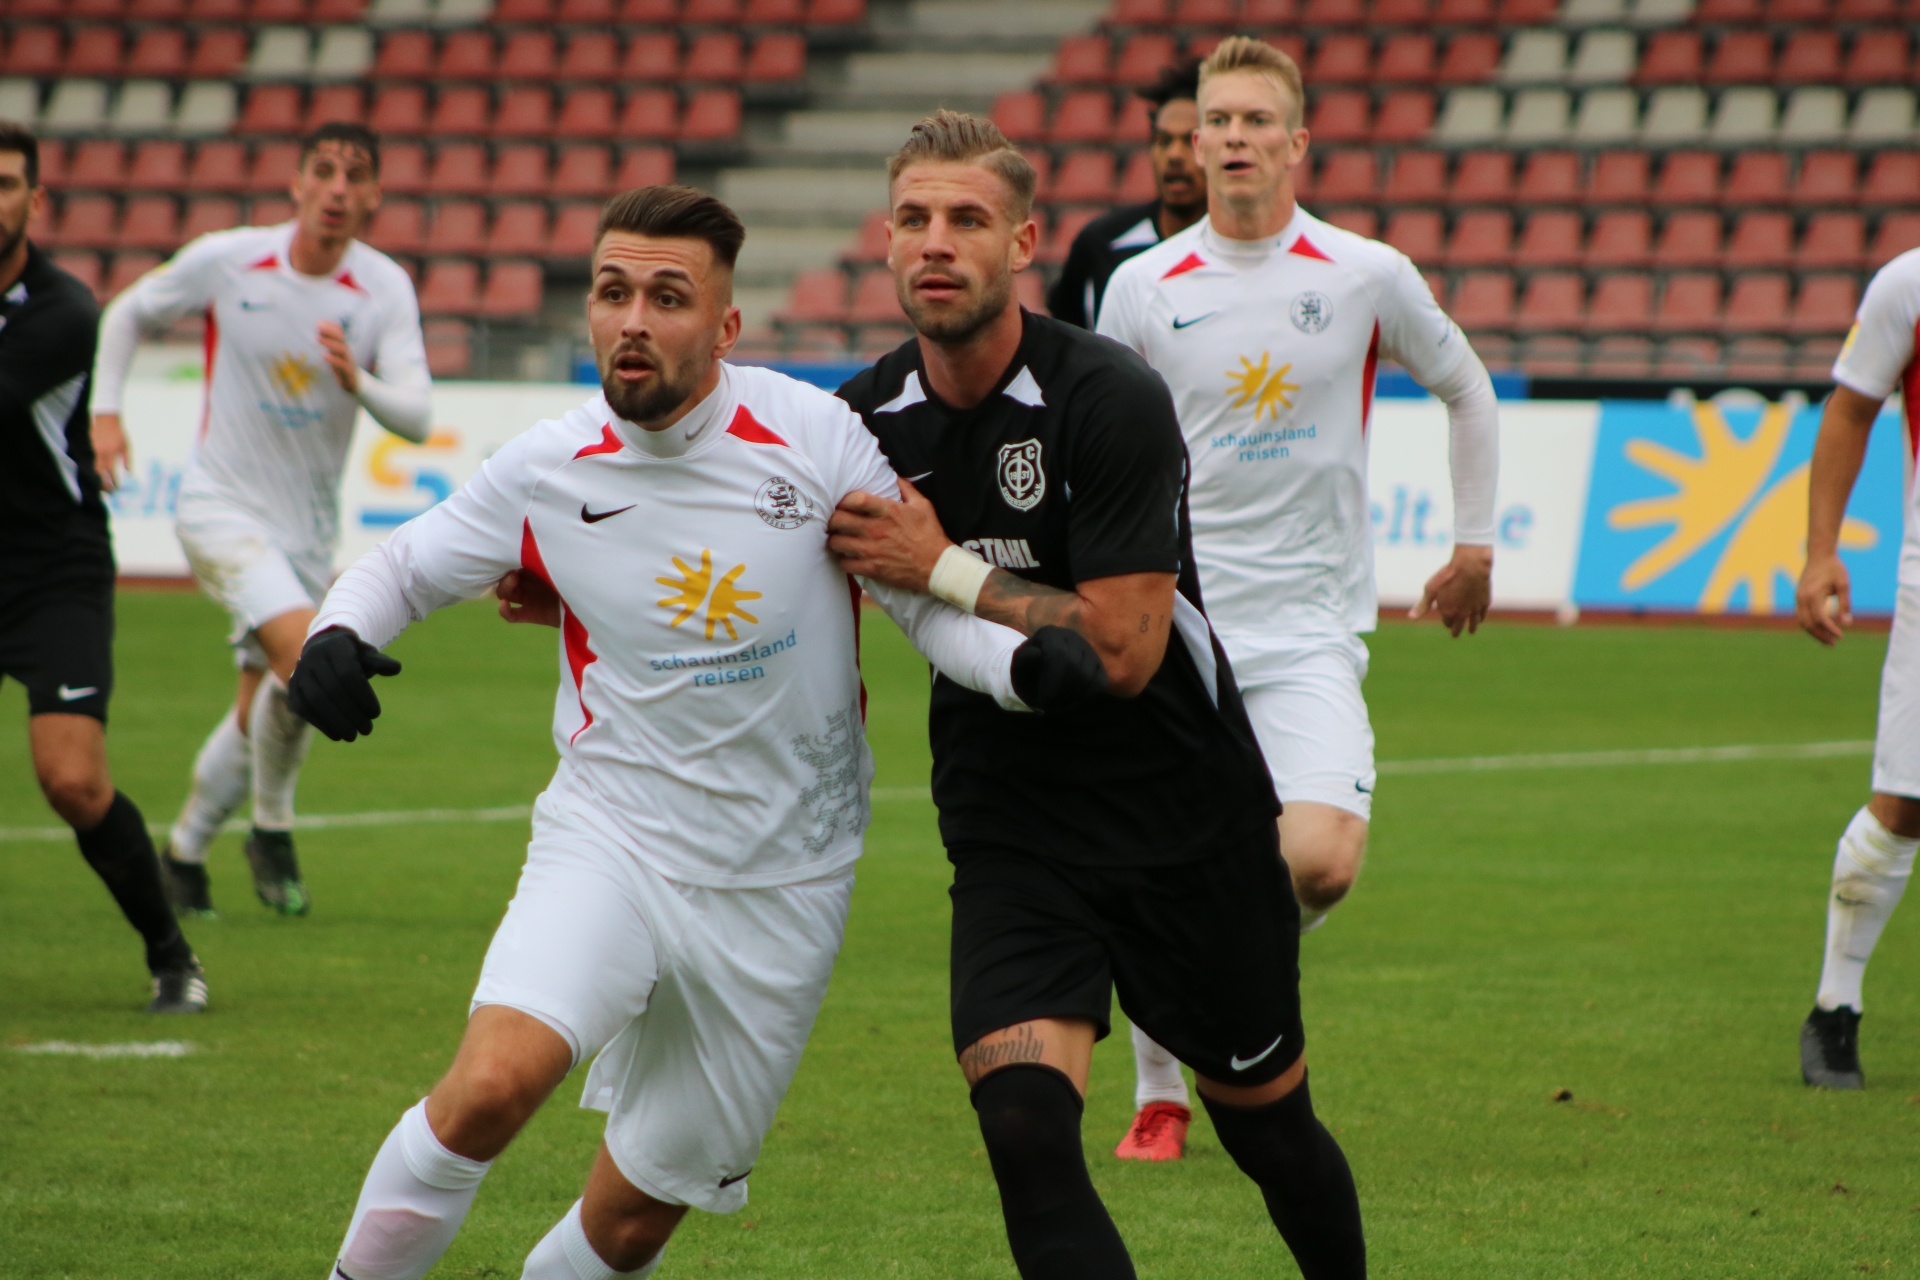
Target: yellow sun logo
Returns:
[293, 375]
[691, 591]
[1266, 391]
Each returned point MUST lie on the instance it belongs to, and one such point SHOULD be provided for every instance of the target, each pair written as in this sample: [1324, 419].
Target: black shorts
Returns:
[1205, 955]
[58, 642]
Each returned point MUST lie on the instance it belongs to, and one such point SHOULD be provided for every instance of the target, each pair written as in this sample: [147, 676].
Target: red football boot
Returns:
[1159, 1132]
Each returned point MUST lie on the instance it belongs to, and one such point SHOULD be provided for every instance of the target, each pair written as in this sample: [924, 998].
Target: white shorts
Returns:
[1311, 720]
[1896, 743]
[238, 561]
[698, 1001]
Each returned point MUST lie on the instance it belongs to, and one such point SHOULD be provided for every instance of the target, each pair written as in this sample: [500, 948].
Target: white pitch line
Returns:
[1453, 764]
[126, 1049]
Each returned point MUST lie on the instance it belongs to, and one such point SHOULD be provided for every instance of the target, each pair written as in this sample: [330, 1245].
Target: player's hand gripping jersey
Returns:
[277, 424]
[709, 713]
[1270, 348]
[1882, 355]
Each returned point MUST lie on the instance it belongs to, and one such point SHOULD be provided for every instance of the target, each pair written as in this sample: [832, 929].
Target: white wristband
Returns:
[957, 578]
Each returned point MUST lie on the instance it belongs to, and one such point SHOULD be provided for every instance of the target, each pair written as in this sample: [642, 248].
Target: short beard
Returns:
[950, 328]
[650, 401]
[12, 242]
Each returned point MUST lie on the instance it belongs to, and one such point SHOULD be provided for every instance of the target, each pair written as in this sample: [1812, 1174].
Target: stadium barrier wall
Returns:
[1630, 505]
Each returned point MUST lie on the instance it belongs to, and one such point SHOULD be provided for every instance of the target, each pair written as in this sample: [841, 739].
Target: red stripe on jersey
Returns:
[608, 443]
[1189, 263]
[346, 278]
[573, 632]
[209, 344]
[1910, 398]
[748, 428]
[1306, 249]
[1366, 379]
[267, 263]
[853, 587]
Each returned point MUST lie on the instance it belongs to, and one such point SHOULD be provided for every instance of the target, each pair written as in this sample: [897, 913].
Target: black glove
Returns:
[1057, 669]
[331, 689]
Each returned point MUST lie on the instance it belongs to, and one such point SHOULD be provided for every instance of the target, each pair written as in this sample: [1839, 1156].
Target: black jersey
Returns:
[1074, 469]
[52, 521]
[1097, 252]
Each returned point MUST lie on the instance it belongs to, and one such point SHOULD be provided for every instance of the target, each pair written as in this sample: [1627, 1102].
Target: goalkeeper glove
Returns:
[331, 687]
[1056, 669]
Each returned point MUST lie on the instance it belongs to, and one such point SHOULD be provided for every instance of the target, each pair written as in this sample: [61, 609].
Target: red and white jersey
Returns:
[1270, 348]
[709, 712]
[277, 424]
[1882, 356]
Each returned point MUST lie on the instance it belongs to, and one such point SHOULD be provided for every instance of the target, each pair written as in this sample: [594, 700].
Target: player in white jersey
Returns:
[300, 318]
[1875, 858]
[1268, 325]
[691, 862]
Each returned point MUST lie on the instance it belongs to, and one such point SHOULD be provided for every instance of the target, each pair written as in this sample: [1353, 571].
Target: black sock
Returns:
[1059, 1230]
[121, 853]
[1308, 1188]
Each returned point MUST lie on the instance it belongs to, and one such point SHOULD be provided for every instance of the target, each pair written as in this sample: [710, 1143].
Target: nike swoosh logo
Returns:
[69, 695]
[595, 517]
[1365, 791]
[1178, 323]
[727, 1182]
[1241, 1064]
[254, 306]
[922, 476]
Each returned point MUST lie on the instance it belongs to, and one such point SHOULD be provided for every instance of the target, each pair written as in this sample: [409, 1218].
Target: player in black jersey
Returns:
[56, 571]
[1180, 200]
[1128, 842]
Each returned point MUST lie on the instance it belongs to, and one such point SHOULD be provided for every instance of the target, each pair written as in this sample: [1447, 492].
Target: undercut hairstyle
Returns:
[15, 136]
[954, 137]
[351, 135]
[1244, 53]
[1179, 82]
[674, 212]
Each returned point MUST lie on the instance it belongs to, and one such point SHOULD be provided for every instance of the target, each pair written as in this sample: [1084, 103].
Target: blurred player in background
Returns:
[1875, 858]
[56, 571]
[1268, 325]
[1180, 200]
[299, 317]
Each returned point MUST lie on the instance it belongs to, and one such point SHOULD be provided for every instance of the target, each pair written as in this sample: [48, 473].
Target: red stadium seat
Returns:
[1402, 13]
[1407, 57]
[588, 113]
[513, 289]
[1689, 358]
[1482, 13]
[1481, 238]
[1758, 177]
[1690, 238]
[1619, 177]
[1897, 233]
[158, 166]
[870, 243]
[1617, 356]
[1833, 240]
[650, 12]
[451, 288]
[1347, 177]
[98, 164]
[1878, 57]
[150, 222]
[1892, 179]
[717, 56]
[523, 11]
[1021, 115]
[1405, 116]
[713, 115]
[1689, 177]
[35, 51]
[1757, 304]
[1483, 301]
[1418, 233]
[289, 11]
[270, 211]
[590, 55]
[53, 163]
[1622, 303]
[1760, 240]
[1362, 222]
[714, 13]
[1827, 178]
[1057, 240]
[875, 301]
[644, 167]
[1552, 300]
[1551, 239]
[222, 166]
[1083, 116]
[403, 168]
[405, 55]
[519, 170]
[1728, 12]
[651, 113]
[159, 53]
[274, 164]
[449, 345]
[1868, 10]
[1689, 304]
[1334, 13]
[1141, 13]
[1621, 238]
[1081, 60]
[1136, 181]
[652, 56]
[526, 111]
[207, 215]
[459, 226]
[218, 54]
[334, 104]
[1142, 57]
[1342, 115]
[603, 13]
[778, 57]
[1205, 13]
[1342, 58]
[1763, 358]
[156, 10]
[459, 169]
[1550, 177]
[87, 222]
[527, 55]
[519, 227]
[1418, 177]
[1741, 57]
[108, 9]
[338, 10]
[1797, 11]
[1085, 177]
[1671, 57]
[836, 13]
[1483, 177]
[775, 13]
[582, 171]
[271, 108]
[461, 109]
[399, 109]
[1134, 124]
[1810, 57]
[573, 229]
[96, 51]
[216, 10]
[818, 297]
[127, 268]
[1472, 57]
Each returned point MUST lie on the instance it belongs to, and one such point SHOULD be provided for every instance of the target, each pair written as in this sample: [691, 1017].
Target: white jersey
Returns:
[1881, 356]
[709, 714]
[1270, 348]
[276, 425]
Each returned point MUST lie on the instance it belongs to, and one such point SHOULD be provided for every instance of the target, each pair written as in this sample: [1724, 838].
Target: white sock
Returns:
[564, 1254]
[222, 774]
[280, 740]
[1157, 1075]
[412, 1204]
[1870, 872]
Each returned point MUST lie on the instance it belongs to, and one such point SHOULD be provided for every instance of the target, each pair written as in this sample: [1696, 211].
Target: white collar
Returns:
[1253, 250]
[703, 422]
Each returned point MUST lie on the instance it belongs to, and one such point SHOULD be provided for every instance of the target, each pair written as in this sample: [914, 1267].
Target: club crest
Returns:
[1311, 312]
[781, 503]
[1022, 481]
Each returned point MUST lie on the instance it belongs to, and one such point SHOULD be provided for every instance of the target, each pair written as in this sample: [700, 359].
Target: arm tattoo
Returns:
[1025, 606]
[980, 1057]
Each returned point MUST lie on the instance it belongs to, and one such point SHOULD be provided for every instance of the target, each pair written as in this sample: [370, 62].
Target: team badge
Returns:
[1022, 481]
[1312, 312]
[782, 504]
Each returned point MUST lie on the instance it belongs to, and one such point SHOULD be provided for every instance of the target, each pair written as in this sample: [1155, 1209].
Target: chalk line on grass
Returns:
[125, 1049]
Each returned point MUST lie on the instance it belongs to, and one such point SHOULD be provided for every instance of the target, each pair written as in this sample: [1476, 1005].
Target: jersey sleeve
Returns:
[1414, 331]
[1881, 344]
[400, 394]
[185, 285]
[855, 462]
[1126, 474]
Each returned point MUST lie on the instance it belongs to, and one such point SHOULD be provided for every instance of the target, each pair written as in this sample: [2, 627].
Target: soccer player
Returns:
[299, 319]
[1875, 858]
[56, 572]
[1268, 323]
[1127, 844]
[1180, 200]
[691, 862]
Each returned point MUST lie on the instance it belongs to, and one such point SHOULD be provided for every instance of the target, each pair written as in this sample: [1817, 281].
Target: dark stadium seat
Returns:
[1081, 60]
[1671, 57]
[127, 268]
[1690, 303]
[1552, 238]
[150, 222]
[222, 166]
[712, 115]
[1347, 176]
[1882, 56]
[1142, 57]
[1741, 57]
[1405, 116]
[459, 169]
[218, 54]
[159, 165]
[403, 168]
[583, 170]
[1021, 115]
[96, 51]
[1483, 301]
[777, 58]
[1811, 56]
[459, 109]
[1757, 304]
[86, 222]
[513, 290]
[1084, 177]
[334, 104]
[1760, 239]
[271, 108]
[1417, 177]
[590, 55]
[207, 214]
[527, 55]
[1472, 57]
[1341, 115]
[874, 300]
[1418, 233]
[717, 57]
[466, 55]
[643, 167]
[35, 51]
[519, 227]
[97, 164]
[1406, 57]
[1342, 58]
[450, 288]
[1827, 178]
[1893, 178]
[711, 13]
[526, 111]
[1621, 238]
[399, 109]
[268, 211]
[1833, 240]
[399, 226]
[1758, 177]
[573, 228]
[1690, 238]
[274, 164]
[1896, 234]
[1622, 302]
[1483, 177]
[1689, 177]
[1085, 115]
[1619, 177]
[818, 296]
[1136, 180]
[1481, 238]
[159, 53]
[1362, 222]
[404, 55]
[1550, 177]
[520, 170]
[459, 226]
[589, 113]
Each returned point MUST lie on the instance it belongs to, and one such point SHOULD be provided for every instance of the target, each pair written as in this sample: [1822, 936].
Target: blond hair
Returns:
[955, 137]
[1244, 53]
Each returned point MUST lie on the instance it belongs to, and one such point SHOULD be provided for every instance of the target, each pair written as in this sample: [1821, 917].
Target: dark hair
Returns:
[675, 213]
[954, 137]
[353, 135]
[15, 136]
[1177, 82]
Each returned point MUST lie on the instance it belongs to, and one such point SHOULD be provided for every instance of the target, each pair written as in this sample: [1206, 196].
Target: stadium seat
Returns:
[583, 170]
[1882, 56]
[531, 11]
[1417, 177]
[1084, 177]
[207, 214]
[459, 109]
[526, 111]
[98, 164]
[1813, 114]
[1341, 58]
[1892, 179]
[1621, 238]
[1136, 180]
[1407, 57]
[716, 57]
[1688, 358]
[127, 268]
[1689, 177]
[643, 167]
[1346, 176]
[1797, 11]
[156, 10]
[218, 53]
[1483, 301]
[1081, 59]
[775, 13]
[158, 166]
[1833, 240]
[1760, 239]
[334, 104]
[519, 227]
[875, 301]
[1405, 116]
[527, 55]
[1618, 355]
[449, 346]
[1341, 115]
[1674, 116]
[1758, 177]
[343, 53]
[1727, 12]
[573, 228]
[1551, 239]
[1470, 116]
[281, 53]
[220, 166]
[1671, 57]
[1867, 10]
[75, 107]
[1690, 303]
[652, 57]
[1056, 240]
[1606, 117]
[274, 164]
[271, 108]
[1763, 359]
[1483, 177]
[1084, 115]
[450, 288]
[84, 267]
[1619, 177]
[338, 10]
[519, 170]
[513, 290]
[399, 109]
[96, 51]
[1622, 303]
[150, 222]
[1471, 57]
[778, 57]
[714, 13]
[399, 226]
[1897, 233]
[1021, 115]
[818, 296]
[1205, 13]
[35, 51]
[1744, 116]
[1142, 57]
[590, 55]
[1334, 13]
[650, 12]
[403, 168]
[216, 10]
[459, 168]
[141, 106]
[835, 13]
[459, 226]
[1133, 124]
[1418, 233]
[1882, 116]
[1362, 222]
[86, 222]
[713, 115]
[1535, 56]
[1481, 238]
[160, 52]
[1690, 238]
[589, 113]
[405, 55]
[1811, 56]
[1757, 304]
[1741, 57]
[1604, 57]
[1827, 178]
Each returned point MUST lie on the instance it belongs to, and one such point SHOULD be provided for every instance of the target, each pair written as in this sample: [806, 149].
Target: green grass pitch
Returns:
[1646, 937]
